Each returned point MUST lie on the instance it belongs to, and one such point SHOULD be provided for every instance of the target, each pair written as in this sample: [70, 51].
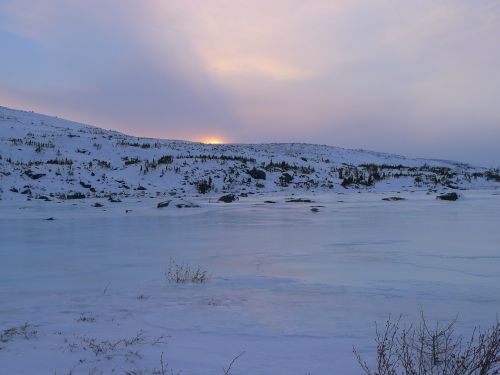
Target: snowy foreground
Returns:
[302, 260]
[292, 288]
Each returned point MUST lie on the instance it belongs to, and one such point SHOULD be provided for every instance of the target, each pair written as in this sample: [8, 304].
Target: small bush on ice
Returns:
[26, 331]
[183, 273]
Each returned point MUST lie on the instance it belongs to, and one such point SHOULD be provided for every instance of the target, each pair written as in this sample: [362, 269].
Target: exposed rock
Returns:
[298, 200]
[34, 176]
[86, 186]
[394, 199]
[258, 174]
[448, 196]
[228, 198]
[76, 195]
[163, 204]
[187, 205]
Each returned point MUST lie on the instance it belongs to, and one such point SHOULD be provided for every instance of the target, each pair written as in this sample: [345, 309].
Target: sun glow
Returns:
[213, 140]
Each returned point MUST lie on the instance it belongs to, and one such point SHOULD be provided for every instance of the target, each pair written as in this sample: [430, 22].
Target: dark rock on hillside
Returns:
[299, 200]
[187, 205]
[163, 204]
[34, 176]
[257, 174]
[86, 186]
[228, 198]
[76, 195]
[393, 199]
[448, 196]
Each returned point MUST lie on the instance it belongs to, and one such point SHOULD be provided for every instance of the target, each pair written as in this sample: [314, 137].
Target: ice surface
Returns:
[292, 288]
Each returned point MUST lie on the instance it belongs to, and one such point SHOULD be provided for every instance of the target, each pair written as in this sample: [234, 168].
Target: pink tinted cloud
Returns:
[325, 71]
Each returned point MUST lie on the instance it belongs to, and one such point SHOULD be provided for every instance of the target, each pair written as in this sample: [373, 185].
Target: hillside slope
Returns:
[46, 157]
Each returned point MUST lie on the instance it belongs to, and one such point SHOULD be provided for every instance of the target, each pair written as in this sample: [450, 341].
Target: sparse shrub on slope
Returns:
[285, 179]
[204, 186]
[166, 159]
[493, 174]
[131, 161]
[76, 195]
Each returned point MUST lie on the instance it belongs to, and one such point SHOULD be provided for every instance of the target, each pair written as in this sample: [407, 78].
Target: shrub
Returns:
[204, 186]
[60, 161]
[421, 349]
[183, 273]
[285, 179]
[131, 161]
[76, 195]
[166, 159]
[26, 331]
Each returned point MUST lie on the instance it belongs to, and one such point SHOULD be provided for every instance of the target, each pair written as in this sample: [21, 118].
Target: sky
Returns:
[414, 77]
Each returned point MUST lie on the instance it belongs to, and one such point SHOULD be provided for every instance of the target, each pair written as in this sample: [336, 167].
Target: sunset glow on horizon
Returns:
[419, 78]
[213, 140]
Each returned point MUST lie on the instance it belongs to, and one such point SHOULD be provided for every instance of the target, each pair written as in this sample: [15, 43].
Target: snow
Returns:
[293, 289]
[50, 158]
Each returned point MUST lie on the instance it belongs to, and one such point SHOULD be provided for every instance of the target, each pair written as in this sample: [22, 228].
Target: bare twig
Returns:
[228, 370]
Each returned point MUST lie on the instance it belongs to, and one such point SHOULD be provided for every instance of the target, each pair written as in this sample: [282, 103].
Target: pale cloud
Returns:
[255, 65]
[329, 71]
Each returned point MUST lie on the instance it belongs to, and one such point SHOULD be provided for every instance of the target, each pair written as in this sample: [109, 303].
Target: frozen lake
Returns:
[294, 289]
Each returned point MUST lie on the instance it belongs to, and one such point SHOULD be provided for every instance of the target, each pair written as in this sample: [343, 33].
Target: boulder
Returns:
[448, 196]
[163, 204]
[228, 198]
[257, 174]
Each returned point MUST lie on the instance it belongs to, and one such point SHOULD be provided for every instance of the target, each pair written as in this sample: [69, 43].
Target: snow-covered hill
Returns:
[49, 158]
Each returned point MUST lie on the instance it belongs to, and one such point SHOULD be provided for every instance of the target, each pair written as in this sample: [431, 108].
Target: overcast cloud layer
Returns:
[421, 78]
